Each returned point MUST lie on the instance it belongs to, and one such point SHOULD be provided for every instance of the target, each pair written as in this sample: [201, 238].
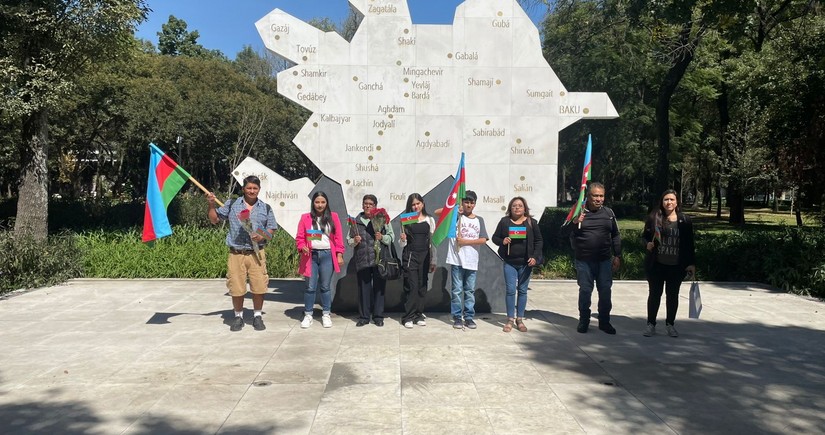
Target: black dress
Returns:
[416, 262]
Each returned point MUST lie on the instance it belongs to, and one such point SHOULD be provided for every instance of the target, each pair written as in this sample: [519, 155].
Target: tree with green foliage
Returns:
[44, 47]
[175, 40]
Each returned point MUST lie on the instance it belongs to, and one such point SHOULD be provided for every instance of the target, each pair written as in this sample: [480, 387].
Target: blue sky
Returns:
[229, 25]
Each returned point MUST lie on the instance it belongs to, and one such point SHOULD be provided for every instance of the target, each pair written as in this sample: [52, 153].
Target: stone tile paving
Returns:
[157, 356]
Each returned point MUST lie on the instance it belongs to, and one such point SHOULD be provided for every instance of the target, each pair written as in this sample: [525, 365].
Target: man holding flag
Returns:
[595, 239]
[250, 220]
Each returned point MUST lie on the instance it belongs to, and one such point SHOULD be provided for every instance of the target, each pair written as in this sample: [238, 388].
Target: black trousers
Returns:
[371, 288]
[667, 278]
[416, 276]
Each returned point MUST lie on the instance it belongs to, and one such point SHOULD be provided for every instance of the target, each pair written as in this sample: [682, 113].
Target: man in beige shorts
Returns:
[251, 221]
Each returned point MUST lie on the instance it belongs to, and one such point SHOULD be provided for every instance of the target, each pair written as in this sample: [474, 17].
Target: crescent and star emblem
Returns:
[451, 198]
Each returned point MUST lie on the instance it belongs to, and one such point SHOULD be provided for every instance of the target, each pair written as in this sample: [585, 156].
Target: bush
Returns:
[190, 252]
[556, 238]
[629, 210]
[26, 263]
[790, 258]
[81, 215]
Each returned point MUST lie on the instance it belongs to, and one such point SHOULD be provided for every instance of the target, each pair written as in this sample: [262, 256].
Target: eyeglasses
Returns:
[368, 204]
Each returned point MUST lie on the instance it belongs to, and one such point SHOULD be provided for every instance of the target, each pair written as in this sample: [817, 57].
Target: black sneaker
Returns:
[237, 324]
[258, 323]
[362, 322]
[457, 324]
[470, 324]
[583, 325]
[379, 322]
[607, 328]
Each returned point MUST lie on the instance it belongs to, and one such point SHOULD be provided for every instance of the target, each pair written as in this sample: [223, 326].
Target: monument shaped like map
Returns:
[394, 108]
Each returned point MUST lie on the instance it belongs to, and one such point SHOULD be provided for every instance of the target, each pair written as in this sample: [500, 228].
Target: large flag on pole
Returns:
[577, 207]
[446, 226]
[166, 179]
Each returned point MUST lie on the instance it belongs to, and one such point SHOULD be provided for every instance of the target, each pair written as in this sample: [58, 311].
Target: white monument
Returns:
[394, 108]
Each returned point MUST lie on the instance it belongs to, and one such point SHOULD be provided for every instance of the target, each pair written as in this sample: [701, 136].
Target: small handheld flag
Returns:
[351, 224]
[518, 233]
[314, 234]
[657, 232]
[264, 233]
[409, 218]
[586, 172]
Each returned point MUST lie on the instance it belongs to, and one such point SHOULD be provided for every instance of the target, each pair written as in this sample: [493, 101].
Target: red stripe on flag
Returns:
[164, 169]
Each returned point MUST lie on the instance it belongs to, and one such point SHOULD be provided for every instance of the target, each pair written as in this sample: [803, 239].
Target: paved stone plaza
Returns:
[157, 356]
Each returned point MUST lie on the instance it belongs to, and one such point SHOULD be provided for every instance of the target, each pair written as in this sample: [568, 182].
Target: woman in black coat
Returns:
[668, 238]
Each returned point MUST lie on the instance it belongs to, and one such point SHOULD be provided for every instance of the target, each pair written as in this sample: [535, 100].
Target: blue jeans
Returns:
[516, 278]
[321, 274]
[586, 273]
[464, 281]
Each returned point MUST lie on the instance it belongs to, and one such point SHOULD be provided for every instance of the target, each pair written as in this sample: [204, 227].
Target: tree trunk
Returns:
[33, 195]
[674, 76]
[736, 203]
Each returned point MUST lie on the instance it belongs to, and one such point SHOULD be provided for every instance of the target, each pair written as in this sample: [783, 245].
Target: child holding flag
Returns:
[418, 258]
[520, 246]
[462, 256]
[320, 242]
[247, 258]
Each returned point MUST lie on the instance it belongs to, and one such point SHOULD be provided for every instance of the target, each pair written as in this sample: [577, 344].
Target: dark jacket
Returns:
[534, 242]
[687, 249]
[597, 237]
[364, 252]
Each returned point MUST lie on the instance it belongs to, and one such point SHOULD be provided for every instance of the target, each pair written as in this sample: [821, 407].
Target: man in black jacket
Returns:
[597, 248]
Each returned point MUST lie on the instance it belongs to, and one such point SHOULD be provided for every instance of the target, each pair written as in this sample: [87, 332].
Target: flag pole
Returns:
[200, 186]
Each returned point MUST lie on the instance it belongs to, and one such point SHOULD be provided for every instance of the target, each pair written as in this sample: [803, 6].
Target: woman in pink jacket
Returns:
[321, 244]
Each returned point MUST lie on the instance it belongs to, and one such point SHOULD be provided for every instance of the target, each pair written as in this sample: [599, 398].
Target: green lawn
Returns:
[763, 218]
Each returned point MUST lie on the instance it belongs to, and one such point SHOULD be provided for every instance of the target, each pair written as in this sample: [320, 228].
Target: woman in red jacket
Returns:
[321, 245]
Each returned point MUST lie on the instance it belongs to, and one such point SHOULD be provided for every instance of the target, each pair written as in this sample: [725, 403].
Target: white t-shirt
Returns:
[324, 242]
[467, 256]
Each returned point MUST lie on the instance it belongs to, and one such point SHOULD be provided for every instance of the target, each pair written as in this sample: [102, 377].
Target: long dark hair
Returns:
[326, 216]
[661, 208]
[412, 198]
[523, 201]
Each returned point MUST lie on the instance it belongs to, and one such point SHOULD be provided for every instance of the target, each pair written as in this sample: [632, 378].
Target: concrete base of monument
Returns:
[489, 282]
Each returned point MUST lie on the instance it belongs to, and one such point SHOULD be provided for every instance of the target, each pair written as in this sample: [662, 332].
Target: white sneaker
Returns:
[422, 321]
[671, 331]
[650, 330]
[326, 321]
[307, 322]
[408, 325]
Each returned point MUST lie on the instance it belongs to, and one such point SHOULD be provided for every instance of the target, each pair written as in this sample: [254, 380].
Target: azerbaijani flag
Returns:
[518, 233]
[264, 233]
[577, 207]
[657, 232]
[446, 225]
[351, 221]
[166, 179]
[314, 234]
[409, 218]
